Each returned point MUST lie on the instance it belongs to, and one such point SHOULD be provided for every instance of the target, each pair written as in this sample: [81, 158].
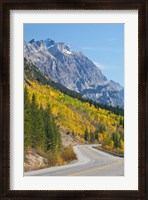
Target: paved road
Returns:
[91, 162]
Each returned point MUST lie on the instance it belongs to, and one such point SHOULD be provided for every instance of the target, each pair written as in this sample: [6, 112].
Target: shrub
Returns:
[51, 159]
[68, 154]
[59, 160]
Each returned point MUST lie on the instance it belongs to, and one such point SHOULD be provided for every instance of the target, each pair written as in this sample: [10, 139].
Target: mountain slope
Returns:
[73, 70]
[74, 117]
[32, 73]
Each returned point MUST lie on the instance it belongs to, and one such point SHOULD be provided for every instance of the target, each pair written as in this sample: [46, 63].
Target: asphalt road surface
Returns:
[91, 162]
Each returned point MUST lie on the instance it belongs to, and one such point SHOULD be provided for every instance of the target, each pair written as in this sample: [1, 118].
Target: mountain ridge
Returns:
[73, 70]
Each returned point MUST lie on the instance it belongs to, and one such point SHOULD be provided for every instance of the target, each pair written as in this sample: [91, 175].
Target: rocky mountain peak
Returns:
[60, 48]
[49, 42]
[31, 41]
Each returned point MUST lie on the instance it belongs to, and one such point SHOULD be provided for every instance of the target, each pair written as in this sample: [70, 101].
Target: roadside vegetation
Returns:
[113, 143]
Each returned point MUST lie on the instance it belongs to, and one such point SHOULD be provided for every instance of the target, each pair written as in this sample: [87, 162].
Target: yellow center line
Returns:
[95, 169]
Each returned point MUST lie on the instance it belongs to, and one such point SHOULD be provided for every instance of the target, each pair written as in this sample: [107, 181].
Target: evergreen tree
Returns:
[34, 122]
[38, 133]
[56, 146]
[102, 128]
[48, 127]
[53, 139]
[121, 122]
[92, 137]
[86, 135]
[108, 141]
[96, 133]
[27, 120]
[41, 135]
[116, 139]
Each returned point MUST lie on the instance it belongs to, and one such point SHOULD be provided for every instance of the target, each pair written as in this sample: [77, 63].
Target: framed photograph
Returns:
[73, 109]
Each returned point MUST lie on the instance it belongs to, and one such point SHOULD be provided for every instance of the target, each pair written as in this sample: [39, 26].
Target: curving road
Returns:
[91, 162]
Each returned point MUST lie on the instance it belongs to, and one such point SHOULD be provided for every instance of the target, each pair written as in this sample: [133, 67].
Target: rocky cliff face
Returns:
[34, 161]
[73, 70]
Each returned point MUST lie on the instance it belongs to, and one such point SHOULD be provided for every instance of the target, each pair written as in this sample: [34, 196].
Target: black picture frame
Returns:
[6, 6]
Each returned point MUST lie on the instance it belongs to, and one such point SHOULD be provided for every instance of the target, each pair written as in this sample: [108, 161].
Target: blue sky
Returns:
[102, 43]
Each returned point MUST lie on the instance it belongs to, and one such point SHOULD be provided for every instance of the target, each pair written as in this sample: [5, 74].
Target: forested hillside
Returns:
[39, 127]
[41, 136]
[80, 120]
